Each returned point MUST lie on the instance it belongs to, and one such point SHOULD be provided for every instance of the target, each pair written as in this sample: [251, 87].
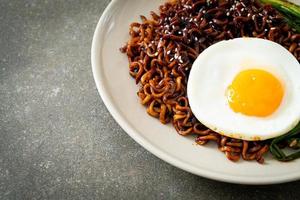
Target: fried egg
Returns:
[246, 88]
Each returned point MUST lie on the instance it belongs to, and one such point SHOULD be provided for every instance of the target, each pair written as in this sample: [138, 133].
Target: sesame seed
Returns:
[180, 59]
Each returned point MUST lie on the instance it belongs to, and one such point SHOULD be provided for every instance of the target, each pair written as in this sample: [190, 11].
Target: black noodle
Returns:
[162, 49]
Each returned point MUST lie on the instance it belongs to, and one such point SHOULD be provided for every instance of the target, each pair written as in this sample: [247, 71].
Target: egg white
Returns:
[214, 70]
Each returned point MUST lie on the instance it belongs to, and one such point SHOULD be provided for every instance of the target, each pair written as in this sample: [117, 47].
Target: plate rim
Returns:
[130, 130]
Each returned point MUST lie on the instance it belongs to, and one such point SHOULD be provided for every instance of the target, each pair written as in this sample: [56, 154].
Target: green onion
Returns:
[290, 11]
[290, 136]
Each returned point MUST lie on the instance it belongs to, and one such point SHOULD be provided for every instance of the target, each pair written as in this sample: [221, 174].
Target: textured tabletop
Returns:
[57, 139]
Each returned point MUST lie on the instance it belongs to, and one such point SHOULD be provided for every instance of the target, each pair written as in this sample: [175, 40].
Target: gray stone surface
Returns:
[57, 140]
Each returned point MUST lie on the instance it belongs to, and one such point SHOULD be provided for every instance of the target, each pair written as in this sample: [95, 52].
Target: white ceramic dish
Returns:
[118, 91]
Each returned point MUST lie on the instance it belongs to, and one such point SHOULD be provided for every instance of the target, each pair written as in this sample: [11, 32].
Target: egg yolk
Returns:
[255, 92]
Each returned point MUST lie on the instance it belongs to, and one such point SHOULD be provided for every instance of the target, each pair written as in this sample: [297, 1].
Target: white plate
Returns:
[118, 91]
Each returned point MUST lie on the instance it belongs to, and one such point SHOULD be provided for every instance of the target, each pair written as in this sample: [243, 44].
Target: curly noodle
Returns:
[162, 49]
